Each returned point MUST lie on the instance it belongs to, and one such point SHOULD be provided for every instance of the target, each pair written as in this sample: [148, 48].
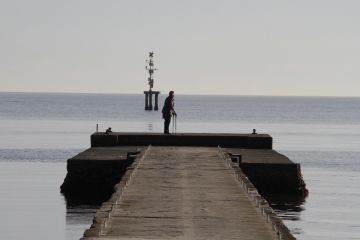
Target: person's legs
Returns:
[166, 125]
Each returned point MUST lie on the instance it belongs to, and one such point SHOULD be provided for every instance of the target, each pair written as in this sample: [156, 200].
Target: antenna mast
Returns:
[151, 70]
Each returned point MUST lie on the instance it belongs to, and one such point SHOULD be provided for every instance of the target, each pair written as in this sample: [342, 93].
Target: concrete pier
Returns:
[182, 186]
[270, 171]
[185, 193]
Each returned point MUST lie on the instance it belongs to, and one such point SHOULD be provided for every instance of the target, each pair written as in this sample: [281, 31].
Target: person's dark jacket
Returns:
[166, 111]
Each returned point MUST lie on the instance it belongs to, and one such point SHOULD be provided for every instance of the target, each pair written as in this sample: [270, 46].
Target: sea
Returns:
[40, 131]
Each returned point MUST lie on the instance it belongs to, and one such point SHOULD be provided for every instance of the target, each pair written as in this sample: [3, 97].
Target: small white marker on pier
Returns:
[274, 226]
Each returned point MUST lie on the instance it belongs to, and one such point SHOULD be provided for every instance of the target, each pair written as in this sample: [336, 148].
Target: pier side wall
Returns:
[272, 178]
[252, 141]
[91, 181]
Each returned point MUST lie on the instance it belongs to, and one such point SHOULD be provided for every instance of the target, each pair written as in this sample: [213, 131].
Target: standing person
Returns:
[168, 110]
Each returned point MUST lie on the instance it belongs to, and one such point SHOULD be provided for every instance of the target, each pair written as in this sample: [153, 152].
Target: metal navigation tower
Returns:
[148, 94]
[151, 70]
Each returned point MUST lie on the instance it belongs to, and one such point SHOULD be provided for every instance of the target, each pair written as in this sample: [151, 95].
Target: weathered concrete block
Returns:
[272, 178]
[254, 141]
[104, 140]
[91, 181]
[259, 141]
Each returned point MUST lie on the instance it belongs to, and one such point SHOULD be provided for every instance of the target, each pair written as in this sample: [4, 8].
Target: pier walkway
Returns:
[185, 193]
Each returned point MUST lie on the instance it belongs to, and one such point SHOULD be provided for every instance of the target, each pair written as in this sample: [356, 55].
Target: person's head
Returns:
[171, 93]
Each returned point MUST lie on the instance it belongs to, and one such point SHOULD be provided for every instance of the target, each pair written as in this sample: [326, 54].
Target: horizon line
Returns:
[200, 94]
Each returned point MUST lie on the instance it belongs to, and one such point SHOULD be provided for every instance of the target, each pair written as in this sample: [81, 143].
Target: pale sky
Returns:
[292, 48]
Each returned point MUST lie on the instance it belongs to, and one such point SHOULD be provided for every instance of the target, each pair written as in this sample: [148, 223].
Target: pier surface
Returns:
[182, 193]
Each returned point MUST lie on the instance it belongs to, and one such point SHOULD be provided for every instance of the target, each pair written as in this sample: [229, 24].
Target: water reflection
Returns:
[150, 126]
[287, 207]
[78, 219]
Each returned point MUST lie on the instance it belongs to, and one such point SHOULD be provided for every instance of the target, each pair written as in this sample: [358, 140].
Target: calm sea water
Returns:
[40, 131]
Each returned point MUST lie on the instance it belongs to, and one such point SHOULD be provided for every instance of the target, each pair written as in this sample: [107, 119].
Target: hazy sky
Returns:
[201, 47]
